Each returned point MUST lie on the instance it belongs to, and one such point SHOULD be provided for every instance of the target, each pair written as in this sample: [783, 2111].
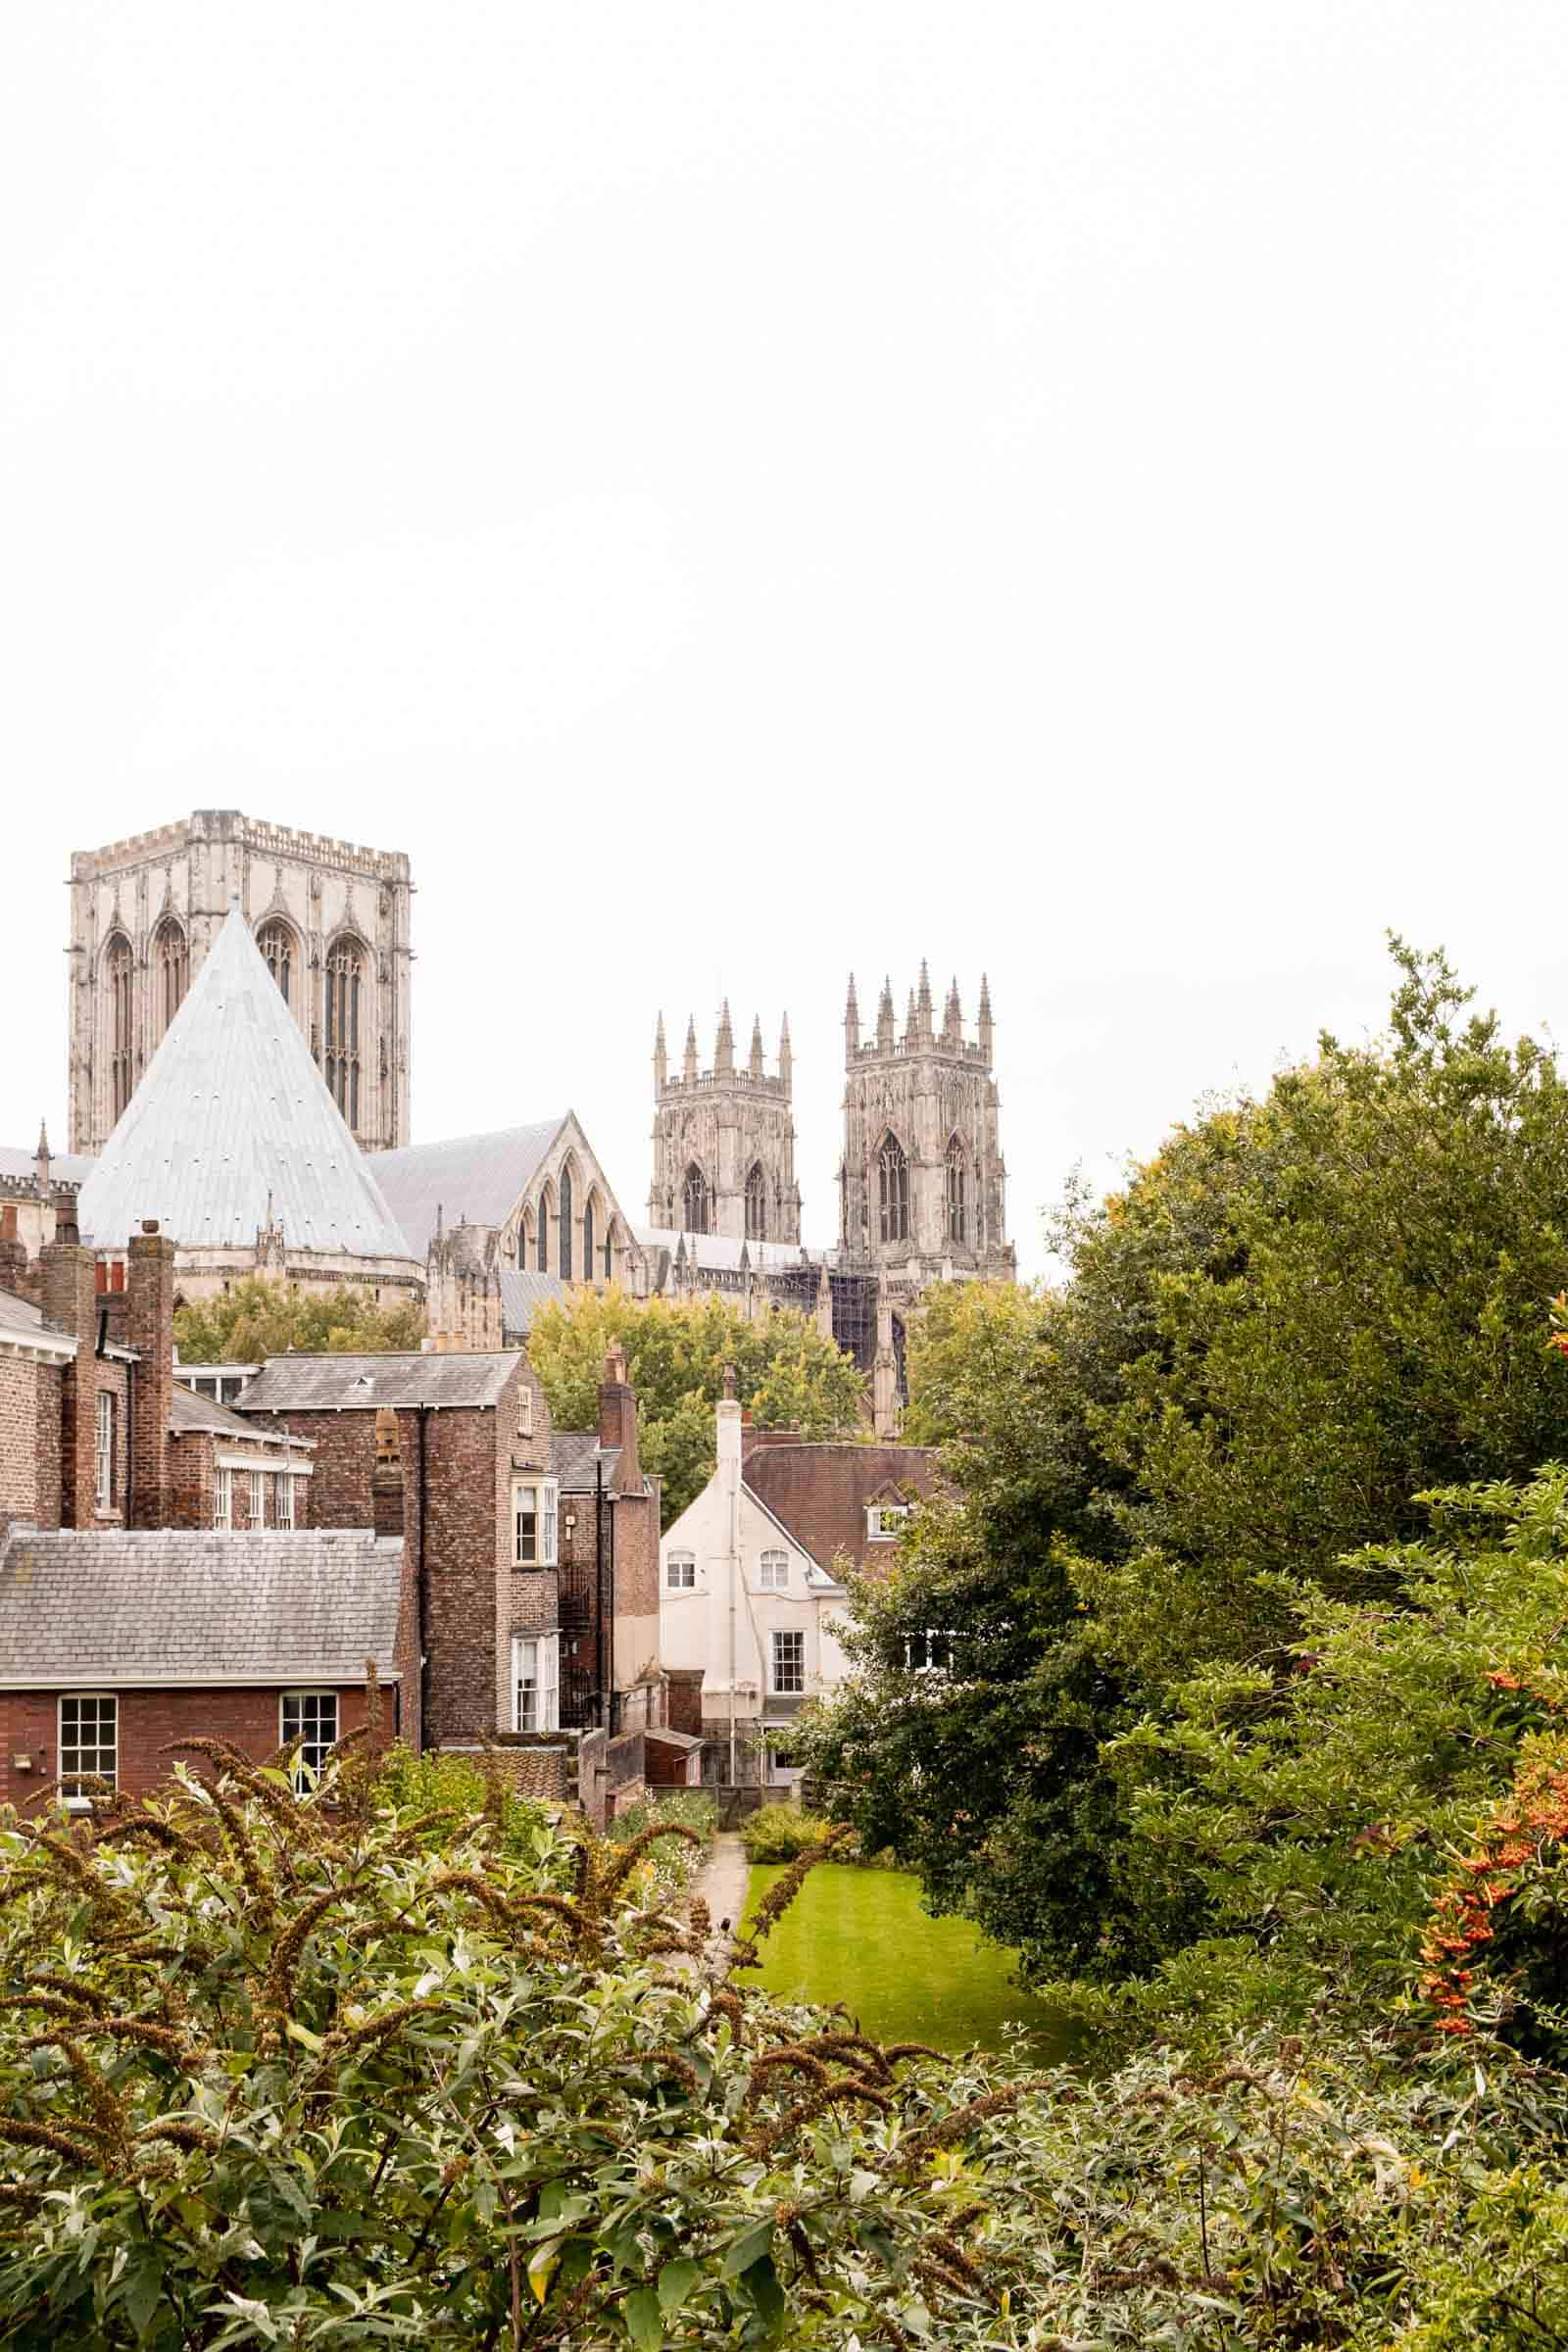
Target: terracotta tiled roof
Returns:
[821, 1493]
[535, 1771]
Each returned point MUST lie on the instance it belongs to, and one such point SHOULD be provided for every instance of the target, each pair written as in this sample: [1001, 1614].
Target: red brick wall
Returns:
[150, 1331]
[469, 1455]
[338, 1493]
[29, 1724]
[30, 1411]
[69, 1302]
[193, 1483]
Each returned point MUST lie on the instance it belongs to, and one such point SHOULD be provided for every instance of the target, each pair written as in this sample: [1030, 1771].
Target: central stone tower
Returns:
[724, 1141]
[331, 922]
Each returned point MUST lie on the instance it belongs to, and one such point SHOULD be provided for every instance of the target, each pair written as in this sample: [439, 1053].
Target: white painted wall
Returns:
[729, 1613]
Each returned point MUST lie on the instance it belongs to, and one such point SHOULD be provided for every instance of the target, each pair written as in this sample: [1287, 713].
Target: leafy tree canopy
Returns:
[256, 1319]
[676, 1351]
[1297, 1317]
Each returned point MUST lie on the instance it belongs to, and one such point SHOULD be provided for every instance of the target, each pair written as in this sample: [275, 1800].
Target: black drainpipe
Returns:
[128, 1519]
[601, 1678]
[423, 1411]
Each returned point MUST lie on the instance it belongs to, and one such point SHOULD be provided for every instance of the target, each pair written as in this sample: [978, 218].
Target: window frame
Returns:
[680, 1560]
[755, 1203]
[275, 943]
[956, 1163]
[223, 1500]
[258, 1498]
[545, 1683]
[893, 1175]
[773, 1569]
[796, 1635]
[876, 1512]
[283, 1485]
[546, 1520]
[104, 1450]
[79, 1804]
[308, 1695]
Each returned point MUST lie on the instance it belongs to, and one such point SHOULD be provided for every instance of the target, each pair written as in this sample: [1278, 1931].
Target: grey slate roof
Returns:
[232, 1119]
[478, 1179]
[192, 1412]
[522, 1294]
[573, 1454]
[113, 1610]
[324, 1384]
[21, 1319]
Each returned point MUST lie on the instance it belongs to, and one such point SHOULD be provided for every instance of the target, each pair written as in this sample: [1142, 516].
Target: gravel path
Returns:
[721, 1881]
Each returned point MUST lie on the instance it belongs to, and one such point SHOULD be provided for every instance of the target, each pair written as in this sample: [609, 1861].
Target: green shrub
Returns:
[780, 1833]
[314, 2069]
[692, 1807]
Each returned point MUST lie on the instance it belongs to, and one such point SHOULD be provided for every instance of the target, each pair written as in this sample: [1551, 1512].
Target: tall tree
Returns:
[1298, 1316]
[256, 1319]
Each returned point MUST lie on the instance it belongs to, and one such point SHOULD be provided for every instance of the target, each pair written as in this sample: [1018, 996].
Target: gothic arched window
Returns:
[277, 943]
[116, 976]
[174, 970]
[566, 1224]
[588, 1238]
[957, 1192]
[755, 1203]
[541, 1255]
[893, 1172]
[609, 1250]
[345, 976]
[694, 1201]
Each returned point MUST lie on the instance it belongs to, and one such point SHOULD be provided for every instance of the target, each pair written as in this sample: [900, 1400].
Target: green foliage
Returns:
[312, 2070]
[1319, 1813]
[256, 1319]
[691, 1807]
[458, 1793]
[781, 1832]
[787, 1373]
[1300, 1314]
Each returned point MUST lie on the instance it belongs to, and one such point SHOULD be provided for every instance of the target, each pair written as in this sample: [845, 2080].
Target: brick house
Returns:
[156, 1579]
[451, 1453]
[115, 1645]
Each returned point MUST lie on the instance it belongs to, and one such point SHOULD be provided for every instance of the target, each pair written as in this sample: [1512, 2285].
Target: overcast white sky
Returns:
[1077, 491]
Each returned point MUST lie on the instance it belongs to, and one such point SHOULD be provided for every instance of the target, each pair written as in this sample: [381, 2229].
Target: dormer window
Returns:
[884, 1521]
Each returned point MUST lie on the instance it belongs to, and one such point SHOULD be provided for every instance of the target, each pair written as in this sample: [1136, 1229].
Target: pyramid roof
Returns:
[232, 1127]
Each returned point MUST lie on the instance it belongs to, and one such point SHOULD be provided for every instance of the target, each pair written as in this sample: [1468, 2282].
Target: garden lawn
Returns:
[860, 1936]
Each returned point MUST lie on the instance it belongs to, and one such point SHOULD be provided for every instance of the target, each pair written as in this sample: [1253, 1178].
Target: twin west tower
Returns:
[921, 1180]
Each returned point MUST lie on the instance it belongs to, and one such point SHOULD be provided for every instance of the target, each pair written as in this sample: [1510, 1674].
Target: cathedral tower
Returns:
[331, 922]
[921, 1186]
[724, 1141]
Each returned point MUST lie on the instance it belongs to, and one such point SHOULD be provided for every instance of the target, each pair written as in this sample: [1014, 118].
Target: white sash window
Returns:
[536, 1682]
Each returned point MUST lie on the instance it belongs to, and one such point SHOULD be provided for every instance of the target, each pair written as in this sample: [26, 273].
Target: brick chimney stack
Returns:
[150, 1331]
[617, 1419]
[69, 1298]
